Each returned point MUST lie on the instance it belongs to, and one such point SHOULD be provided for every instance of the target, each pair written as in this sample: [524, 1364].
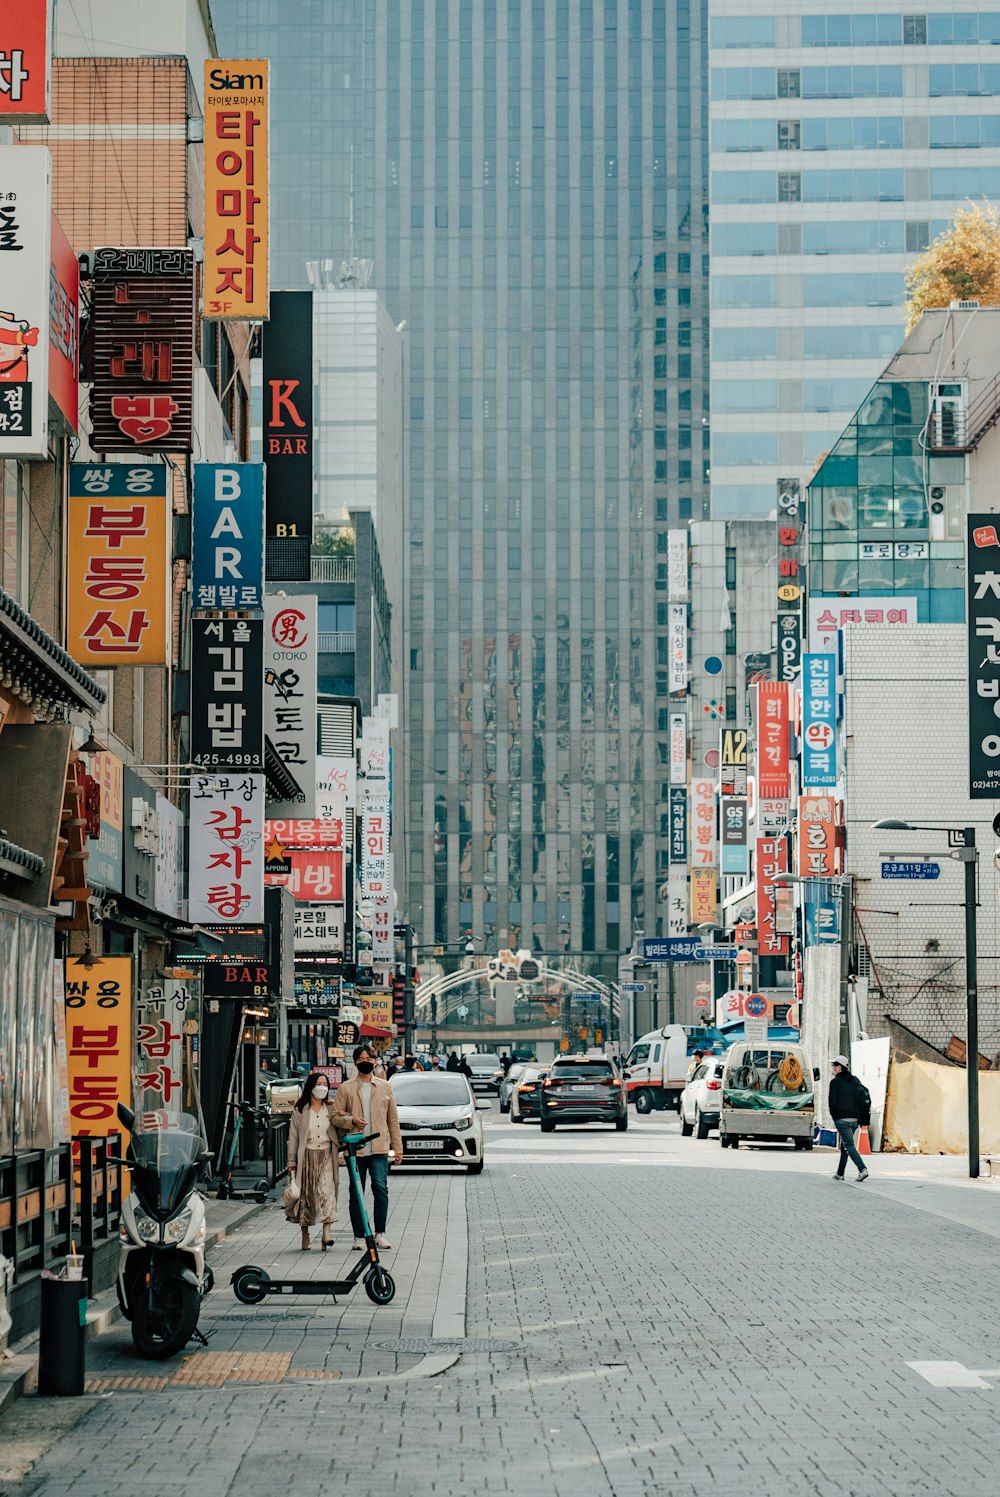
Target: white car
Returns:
[701, 1099]
[439, 1119]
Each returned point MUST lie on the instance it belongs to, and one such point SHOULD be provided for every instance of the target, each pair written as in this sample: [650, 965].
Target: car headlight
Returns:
[147, 1228]
[462, 1123]
[177, 1228]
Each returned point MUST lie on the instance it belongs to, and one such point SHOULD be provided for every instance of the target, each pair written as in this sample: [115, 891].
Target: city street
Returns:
[645, 1314]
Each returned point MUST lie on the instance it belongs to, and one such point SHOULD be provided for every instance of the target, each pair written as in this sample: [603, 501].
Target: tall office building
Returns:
[529, 178]
[841, 145]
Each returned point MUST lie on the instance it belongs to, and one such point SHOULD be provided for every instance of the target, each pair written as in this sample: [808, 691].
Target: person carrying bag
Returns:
[313, 1167]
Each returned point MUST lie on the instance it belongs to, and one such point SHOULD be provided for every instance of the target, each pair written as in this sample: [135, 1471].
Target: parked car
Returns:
[583, 1089]
[509, 1082]
[439, 1119]
[767, 1094]
[487, 1072]
[524, 1100]
[701, 1099]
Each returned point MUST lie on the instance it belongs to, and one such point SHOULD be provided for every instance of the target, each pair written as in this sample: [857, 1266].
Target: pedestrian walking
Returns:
[313, 1147]
[452, 1062]
[850, 1106]
[505, 1061]
[465, 1068]
[696, 1059]
[368, 1105]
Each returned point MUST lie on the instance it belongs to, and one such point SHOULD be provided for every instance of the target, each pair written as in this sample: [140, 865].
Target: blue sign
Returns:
[917, 870]
[819, 721]
[716, 954]
[671, 949]
[228, 564]
[822, 922]
[756, 1006]
[633, 987]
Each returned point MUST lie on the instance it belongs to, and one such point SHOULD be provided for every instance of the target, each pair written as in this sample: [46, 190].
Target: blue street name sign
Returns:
[716, 954]
[671, 949]
[911, 870]
[633, 987]
[587, 997]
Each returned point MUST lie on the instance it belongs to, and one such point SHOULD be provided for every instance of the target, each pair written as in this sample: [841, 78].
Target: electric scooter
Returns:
[162, 1274]
[251, 1284]
[259, 1190]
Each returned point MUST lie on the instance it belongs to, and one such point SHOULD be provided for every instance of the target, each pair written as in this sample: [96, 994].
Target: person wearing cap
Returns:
[848, 1104]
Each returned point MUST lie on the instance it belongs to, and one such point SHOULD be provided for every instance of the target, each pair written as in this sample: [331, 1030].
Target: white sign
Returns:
[376, 866]
[338, 775]
[25, 233]
[383, 945]
[319, 927]
[290, 693]
[755, 1029]
[677, 900]
[375, 752]
[351, 1014]
[678, 748]
[827, 615]
[677, 649]
[170, 859]
[226, 859]
[677, 565]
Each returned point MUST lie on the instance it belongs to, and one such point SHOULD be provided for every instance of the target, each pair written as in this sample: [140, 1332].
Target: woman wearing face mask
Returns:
[313, 1146]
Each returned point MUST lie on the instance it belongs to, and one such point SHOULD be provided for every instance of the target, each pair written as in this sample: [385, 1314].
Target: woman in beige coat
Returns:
[313, 1148]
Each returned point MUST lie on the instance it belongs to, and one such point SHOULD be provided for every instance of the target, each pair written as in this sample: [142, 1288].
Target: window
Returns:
[852, 290]
[743, 31]
[841, 342]
[740, 396]
[865, 82]
[918, 237]
[744, 291]
[914, 31]
[789, 187]
[789, 135]
[742, 135]
[744, 239]
[743, 187]
[789, 83]
[744, 343]
[789, 239]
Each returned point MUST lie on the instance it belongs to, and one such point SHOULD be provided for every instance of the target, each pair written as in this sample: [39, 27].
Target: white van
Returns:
[656, 1068]
[767, 1094]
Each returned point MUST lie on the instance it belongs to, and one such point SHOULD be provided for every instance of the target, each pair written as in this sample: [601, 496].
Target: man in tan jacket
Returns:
[364, 1096]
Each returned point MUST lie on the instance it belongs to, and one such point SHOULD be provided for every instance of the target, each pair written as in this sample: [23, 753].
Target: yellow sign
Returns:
[236, 189]
[376, 1013]
[98, 1043]
[703, 895]
[118, 591]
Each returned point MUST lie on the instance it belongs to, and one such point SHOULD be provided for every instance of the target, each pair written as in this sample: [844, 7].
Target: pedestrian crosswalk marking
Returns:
[953, 1374]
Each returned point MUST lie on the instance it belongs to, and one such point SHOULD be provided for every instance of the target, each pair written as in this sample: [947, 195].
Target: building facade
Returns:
[841, 145]
[530, 182]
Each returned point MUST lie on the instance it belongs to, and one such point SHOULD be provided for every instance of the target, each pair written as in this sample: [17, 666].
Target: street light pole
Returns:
[971, 1002]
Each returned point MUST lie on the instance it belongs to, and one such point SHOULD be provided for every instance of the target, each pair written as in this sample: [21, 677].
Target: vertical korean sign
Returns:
[773, 772]
[228, 526]
[791, 572]
[236, 189]
[819, 721]
[26, 63]
[227, 694]
[142, 314]
[703, 851]
[677, 649]
[25, 240]
[288, 420]
[159, 1048]
[290, 693]
[982, 571]
[98, 1043]
[771, 858]
[119, 564]
[226, 854]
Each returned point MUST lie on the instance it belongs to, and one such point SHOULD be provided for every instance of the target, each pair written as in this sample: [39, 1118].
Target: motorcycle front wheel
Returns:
[164, 1327]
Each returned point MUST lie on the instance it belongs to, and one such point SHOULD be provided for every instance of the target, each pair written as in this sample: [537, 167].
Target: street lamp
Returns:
[962, 848]
[844, 883]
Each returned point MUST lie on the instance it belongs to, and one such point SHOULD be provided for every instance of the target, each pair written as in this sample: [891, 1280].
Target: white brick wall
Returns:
[906, 721]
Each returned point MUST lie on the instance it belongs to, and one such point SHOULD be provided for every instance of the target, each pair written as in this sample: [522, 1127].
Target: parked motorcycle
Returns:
[162, 1274]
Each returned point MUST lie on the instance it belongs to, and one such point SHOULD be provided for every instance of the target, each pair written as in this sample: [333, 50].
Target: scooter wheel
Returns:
[248, 1284]
[380, 1286]
[262, 1192]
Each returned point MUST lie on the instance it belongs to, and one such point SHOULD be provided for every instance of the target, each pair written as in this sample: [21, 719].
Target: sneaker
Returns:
[862, 1176]
[381, 1242]
[357, 1246]
[840, 1178]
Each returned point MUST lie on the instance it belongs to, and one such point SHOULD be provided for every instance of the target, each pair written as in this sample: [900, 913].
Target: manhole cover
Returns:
[426, 1344]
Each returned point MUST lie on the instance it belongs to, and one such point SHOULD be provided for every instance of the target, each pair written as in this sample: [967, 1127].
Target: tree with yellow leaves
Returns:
[963, 264]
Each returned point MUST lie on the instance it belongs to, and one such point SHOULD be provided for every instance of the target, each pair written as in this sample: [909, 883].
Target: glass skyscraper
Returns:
[530, 179]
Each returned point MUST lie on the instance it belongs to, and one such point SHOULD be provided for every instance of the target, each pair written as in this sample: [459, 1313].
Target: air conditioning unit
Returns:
[963, 306]
[946, 519]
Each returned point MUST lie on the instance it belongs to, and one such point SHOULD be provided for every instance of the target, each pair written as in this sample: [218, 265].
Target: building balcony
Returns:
[332, 569]
[343, 642]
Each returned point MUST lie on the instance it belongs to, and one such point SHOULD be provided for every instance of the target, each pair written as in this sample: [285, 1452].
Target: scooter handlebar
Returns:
[354, 1141]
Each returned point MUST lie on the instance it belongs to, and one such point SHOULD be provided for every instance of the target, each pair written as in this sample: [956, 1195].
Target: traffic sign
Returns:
[911, 869]
[716, 954]
[756, 1005]
[671, 949]
[633, 987]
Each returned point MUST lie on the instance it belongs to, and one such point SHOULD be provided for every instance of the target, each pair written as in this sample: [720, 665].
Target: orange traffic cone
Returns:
[864, 1142]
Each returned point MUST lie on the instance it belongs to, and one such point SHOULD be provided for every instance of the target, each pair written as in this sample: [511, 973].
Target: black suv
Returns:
[583, 1089]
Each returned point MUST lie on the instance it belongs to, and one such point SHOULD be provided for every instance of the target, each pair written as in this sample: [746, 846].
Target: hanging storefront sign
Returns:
[703, 844]
[288, 418]
[733, 761]
[383, 941]
[678, 748]
[319, 927]
[227, 694]
[827, 615]
[676, 915]
[337, 775]
[678, 825]
[789, 646]
[677, 649]
[226, 850]
[170, 895]
[791, 576]
[677, 565]
[25, 244]
[64, 326]
[376, 1014]
[98, 1043]
[771, 721]
[105, 856]
[142, 315]
[227, 569]
[236, 188]
[375, 859]
[290, 693]
[819, 721]
[313, 876]
[704, 895]
[375, 757]
[735, 859]
[282, 836]
[817, 843]
[982, 572]
[119, 564]
[770, 859]
[161, 1013]
[26, 63]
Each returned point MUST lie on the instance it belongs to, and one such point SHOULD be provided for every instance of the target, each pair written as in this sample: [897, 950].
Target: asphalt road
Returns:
[646, 1314]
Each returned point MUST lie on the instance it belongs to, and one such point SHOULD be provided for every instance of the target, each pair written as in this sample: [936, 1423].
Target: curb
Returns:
[19, 1375]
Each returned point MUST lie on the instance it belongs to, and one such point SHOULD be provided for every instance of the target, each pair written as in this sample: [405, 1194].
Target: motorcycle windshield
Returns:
[165, 1157]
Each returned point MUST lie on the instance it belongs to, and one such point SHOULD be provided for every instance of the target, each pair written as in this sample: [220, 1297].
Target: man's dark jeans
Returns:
[375, 1166]
[847, 1128]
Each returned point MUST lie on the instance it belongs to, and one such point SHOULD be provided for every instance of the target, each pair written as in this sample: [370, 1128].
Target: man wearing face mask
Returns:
[313, 1145]
[372, 1100]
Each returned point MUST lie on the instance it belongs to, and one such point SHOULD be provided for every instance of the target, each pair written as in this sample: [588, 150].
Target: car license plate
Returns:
[430, 1144]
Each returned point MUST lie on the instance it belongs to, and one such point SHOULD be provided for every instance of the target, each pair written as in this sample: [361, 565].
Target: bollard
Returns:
[61, 1337]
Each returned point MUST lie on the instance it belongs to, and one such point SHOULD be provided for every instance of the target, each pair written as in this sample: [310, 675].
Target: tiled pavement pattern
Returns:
[676, 1330]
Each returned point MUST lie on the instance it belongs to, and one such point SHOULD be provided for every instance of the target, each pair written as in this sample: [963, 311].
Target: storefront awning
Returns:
[37, 670]
[18, 861]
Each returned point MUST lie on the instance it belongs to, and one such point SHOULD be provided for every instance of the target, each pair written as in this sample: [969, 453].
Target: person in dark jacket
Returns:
[452, 1062]
[848, 1100]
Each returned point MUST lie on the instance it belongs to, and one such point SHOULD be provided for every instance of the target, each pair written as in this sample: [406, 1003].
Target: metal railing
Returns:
[344, 642]
[332, 569]
[42, 1212]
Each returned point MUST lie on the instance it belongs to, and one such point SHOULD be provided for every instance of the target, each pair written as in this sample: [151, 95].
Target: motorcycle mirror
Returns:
[126, 1116]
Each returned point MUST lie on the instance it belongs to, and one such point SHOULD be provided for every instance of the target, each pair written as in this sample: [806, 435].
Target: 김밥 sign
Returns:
[228, 525]
[119, 566]
[98, 1043]
[26, 62]
[143, 353]
[25, 234]
[236, 188]
[227, 694]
